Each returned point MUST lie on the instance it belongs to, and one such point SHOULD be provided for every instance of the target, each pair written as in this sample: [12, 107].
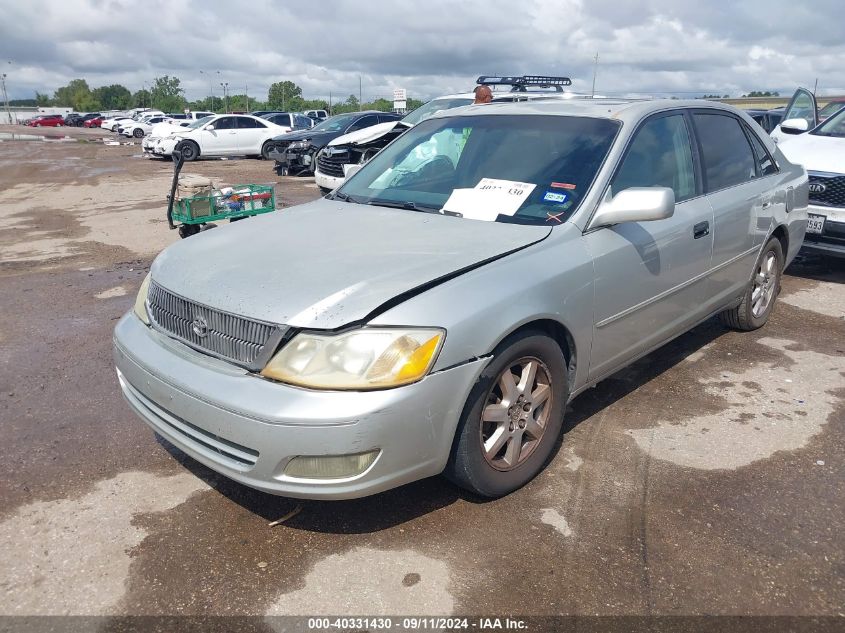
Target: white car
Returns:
[141, 128]
[221, 135]
[822, 153]
[115, 123]
[165, 129]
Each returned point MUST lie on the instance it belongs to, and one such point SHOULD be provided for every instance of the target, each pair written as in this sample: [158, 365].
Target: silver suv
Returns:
[439, 310]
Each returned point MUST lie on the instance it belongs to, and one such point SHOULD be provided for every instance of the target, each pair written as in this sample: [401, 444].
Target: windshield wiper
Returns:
[410, 206]
[339, 195]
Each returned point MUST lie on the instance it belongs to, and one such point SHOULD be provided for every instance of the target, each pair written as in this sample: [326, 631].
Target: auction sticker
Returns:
[552, 196]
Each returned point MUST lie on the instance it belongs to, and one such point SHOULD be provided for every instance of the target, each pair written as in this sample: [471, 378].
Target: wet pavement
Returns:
[706, 478]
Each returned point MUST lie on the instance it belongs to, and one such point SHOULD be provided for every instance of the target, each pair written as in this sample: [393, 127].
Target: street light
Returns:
[6, 96]
[225, 86]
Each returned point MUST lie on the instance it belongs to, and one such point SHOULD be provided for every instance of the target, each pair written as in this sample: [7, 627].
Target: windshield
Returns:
[830, 108]
[337, 123]
[433, 107]
[529, 169]
[199, 123]
[834, 126]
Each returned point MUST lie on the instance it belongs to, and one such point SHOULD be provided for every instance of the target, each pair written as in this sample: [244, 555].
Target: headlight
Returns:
[298, 145]
[141, 300]
[368, 358]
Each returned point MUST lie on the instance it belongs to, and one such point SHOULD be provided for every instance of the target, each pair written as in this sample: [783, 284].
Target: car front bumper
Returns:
[831, 241]
[165, 146]
[327, 182]
[248, 428]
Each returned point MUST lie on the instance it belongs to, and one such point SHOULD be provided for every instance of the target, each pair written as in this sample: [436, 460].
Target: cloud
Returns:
[650, 46]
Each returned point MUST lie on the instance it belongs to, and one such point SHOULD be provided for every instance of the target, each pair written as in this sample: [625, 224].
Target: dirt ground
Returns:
[708, 478]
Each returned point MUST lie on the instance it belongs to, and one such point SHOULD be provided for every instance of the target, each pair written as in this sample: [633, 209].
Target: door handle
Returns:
[700, 230]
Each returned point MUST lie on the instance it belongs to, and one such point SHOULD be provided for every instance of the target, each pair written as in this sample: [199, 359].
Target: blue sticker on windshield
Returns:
[554, 196]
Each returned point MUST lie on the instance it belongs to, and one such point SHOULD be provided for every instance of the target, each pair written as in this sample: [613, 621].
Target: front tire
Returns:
[266, 149]
[190, 150]
[763, 288]
[138, 133]
[513, 417]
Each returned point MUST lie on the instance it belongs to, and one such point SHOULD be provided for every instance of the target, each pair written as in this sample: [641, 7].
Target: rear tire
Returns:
[266, 149]
[763, 288]
[138, 133]
[325, 190]
[511, 422]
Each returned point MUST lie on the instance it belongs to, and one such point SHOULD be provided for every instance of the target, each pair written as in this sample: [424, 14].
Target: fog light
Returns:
[330, 466]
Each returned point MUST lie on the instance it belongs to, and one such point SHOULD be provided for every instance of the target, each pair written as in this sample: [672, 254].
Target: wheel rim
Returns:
[516, 413]
[188, 152]
[765, 282]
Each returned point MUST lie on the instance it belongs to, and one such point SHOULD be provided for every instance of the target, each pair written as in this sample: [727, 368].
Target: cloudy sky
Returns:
[432, 47]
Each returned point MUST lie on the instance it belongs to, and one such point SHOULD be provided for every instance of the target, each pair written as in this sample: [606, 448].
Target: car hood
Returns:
[165, 129]
[317, 138]
[815, 153]
[358, 137]
[328, 263]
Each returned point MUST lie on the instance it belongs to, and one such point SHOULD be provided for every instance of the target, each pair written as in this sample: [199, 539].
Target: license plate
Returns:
[291, 158]
[815, 223]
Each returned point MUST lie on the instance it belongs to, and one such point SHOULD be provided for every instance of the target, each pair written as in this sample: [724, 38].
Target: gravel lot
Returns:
[708, 478]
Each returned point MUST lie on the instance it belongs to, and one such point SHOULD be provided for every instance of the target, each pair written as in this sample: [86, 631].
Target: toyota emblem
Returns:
[200, 326]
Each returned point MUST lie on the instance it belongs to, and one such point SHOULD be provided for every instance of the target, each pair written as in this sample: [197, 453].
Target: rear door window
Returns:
[765, 163]
[727, 156]
[363, 122]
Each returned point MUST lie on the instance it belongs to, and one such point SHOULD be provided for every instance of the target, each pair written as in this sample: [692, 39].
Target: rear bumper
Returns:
[249, 429]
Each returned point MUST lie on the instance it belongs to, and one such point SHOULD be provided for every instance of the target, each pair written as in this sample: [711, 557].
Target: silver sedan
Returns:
[436, 313]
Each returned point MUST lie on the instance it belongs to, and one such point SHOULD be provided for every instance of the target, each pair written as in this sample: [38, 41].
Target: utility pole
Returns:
[210, 89]
[330, 102]
[283, 96]
[246, 94]
[6, 98]
[816, 87]
[595, 71]
[360, 94]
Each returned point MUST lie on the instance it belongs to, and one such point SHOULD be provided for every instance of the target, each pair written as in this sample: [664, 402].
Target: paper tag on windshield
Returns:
[490, 197]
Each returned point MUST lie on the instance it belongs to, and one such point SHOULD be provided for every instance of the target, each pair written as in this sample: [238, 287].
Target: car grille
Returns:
[234, 338]
[834, 189]
[332, 165]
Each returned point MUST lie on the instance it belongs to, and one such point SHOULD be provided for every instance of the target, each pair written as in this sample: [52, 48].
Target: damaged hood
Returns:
[359, 137]
[329, 263]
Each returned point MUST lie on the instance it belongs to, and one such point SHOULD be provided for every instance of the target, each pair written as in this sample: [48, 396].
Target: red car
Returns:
[47, 120]
[95, 122]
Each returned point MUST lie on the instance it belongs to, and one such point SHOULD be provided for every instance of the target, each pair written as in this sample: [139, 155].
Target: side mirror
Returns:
[210, 128]
[794, 126]
[637, 204]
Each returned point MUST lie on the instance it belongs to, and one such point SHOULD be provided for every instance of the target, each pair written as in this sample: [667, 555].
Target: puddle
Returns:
[11, 136]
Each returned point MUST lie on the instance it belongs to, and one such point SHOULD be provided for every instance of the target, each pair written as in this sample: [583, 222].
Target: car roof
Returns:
[605, 108]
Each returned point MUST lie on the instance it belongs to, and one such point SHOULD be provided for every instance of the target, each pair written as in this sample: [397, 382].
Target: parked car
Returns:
[166, 128]
[318, 115]
[801, 112]
[221, 135]
[831, 107]
[347, 153]
[94, 122]
[73, 119]
[767, 119]
[822, 152]
[439, 310]
[183, 118]
[139, 129]
[294, 153]
[290, 119]
[47, 120]
[87, 117]
[115, 122]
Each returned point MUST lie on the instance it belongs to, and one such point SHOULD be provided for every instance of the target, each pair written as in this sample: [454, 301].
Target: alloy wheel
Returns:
[765, 284]
[516, 413]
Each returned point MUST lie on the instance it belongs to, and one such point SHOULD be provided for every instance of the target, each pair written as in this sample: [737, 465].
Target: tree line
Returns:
[166, 94]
